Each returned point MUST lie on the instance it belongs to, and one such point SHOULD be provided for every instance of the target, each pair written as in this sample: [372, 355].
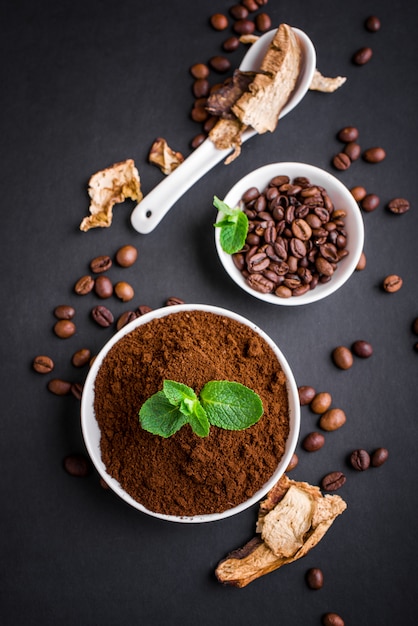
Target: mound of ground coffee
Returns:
[185, 474]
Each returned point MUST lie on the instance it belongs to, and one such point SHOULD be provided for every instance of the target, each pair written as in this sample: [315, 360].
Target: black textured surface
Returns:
[86, 84]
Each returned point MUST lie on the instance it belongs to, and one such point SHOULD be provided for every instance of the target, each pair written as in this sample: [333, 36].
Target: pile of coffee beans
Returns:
[295, 237]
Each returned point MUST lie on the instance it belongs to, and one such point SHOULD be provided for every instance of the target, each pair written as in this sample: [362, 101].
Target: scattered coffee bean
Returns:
[231, 44]
[102, 316]
[362, 56]
[306, 394]
[125, 318]
[143, 308]
[77, 465]
[77, 390]
[315, 578]
[292, 463]
[333, 481]
[81, 357]
[199, 70]
[360, 460]
[84, 285]
[379, 456]
[313, 442]
[244, 27]
[197, 140]
[100, 264]
[103, 287]
[64, 329]
[374, 155]
[238, 12]
[332, 619]
[332, 419]
[219, 21]
[59, 387]
[347, 134]
[124, 291]
[362, 262]
[64, 312]
[173, 301]
[358, 193]
[341, 161]
[352, 150]
[251, 5]
[201, 88]
[372, 24]
[43, 364]
[220, 64]
[321, 402]
[362, 349]
[342, 357]
[370, 202]
[398, 206]
[392, 283]
[263, 22]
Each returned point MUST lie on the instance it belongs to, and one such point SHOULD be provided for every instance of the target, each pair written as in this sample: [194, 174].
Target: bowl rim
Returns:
[292, 169]
[91, 431]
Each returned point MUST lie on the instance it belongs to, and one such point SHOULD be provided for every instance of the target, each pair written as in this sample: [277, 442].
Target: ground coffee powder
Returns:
[186, 474]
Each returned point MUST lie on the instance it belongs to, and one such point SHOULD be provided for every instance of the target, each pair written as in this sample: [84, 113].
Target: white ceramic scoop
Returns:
[154, 206]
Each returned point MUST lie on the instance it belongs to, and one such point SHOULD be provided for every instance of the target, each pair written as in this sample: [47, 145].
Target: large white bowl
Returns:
[342, 199]
[91, 431]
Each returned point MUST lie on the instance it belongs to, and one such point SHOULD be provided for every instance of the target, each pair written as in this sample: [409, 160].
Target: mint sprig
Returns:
[224, 404]
[233, 225]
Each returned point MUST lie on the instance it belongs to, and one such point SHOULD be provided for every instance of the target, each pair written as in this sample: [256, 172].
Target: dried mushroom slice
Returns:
[221, 101]
[108, 187]
[325, 83]
[292, 520]
[164, 157]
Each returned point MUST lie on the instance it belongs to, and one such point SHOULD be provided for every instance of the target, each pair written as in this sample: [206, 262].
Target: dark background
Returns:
[86, 84]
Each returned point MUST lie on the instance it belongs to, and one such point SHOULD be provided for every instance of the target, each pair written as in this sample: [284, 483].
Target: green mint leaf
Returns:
[230, 405]
[177, 392]
[233, 225]
[160, 417]
[198, 420]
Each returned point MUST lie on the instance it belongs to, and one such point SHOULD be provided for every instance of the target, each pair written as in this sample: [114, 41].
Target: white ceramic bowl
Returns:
[91, 432]
[341, 198]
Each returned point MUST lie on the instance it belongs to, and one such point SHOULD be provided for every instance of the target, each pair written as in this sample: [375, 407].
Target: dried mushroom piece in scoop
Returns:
[292, 520]
[164, 157]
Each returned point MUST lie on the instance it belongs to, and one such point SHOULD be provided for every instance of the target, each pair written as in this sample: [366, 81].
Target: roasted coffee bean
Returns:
[238, 12]
[125, 318]
[260, 283]
[306, 394]
[392, 283]
[43, 364]
[347, 134]
[332, 420]
[362, 56]
[352, 150]
[333, 481]
[77, 390]
[362, 349]
[102, 316]
[362, 262]
[201, 88]
[199, 114]
[263, 22]
[84, 285]
[372, 23]
[341, 161]
[197, 140]
[342, 357]
[379, 456]
[231, 44]
[64, 329]
[244, 27]
[292, 463]
[100, 264]
[374, 155]
[220, 64]
[59, 387]
[360, 460]
[321, 402]
[219, 21]
[173, 301]
[124, 291]
[370, 202]
[323, 266]
[332, 619]
[313, 442]
[77, 465]
[103, 287]
[64, 312]
[199, 70]
[251, 5]
[251, 194]
[81, 357]
[358, 193]
[398, 206]
[283, 292]
[314, 578]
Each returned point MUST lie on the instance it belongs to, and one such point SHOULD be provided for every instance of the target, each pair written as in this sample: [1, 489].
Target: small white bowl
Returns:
[342, 199]
[91, 431]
